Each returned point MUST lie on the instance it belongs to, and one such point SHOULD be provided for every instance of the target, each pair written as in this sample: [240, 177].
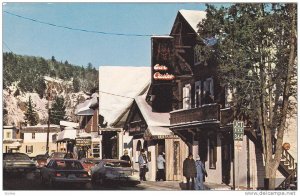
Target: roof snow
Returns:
[193, 17]
[117, 88]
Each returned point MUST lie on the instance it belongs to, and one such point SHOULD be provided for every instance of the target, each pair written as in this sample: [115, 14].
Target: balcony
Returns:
[210, 113]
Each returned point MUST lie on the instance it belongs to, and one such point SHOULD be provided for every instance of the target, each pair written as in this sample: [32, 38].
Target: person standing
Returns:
[125, 157]
[160, 168]
[189, 171]
[200, 173]
[143, 165]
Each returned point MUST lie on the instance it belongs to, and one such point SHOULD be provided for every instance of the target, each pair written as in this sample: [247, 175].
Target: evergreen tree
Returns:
[58, 110]
[256, 52]
[31, 116]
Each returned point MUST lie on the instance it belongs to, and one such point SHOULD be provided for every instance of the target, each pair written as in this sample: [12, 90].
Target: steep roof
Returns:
[118, 85]
[193, 17]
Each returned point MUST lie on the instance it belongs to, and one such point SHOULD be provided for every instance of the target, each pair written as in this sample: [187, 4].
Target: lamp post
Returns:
[48, 130]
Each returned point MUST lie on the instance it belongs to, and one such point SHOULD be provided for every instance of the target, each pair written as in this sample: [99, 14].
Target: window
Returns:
[8, 135]
[29, 149]
[187, 102]
[212, 153]
[33, 136]
[208, 88]
[197, 54]
[54, 138]
[138, 149]
[197, 94]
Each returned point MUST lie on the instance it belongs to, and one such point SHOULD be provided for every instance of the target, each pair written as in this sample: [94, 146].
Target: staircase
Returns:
[287, 166]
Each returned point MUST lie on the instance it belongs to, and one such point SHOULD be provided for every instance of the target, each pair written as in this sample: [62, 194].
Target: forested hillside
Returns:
[29, 72]
[28, 80]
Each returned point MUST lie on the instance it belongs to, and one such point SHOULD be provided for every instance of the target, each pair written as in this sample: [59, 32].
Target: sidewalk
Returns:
[178, 185]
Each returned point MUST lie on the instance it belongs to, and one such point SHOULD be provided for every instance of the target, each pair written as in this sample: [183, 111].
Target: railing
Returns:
[291, 179]
[204, 113]
[288, 159]
[226, 116]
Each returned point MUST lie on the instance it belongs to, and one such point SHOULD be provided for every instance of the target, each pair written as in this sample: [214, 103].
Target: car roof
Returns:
[114, 160]
[65, 160]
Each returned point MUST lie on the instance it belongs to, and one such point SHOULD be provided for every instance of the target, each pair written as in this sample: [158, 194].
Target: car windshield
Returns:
[68, 165]
[38, 157]
[117, 164]
[91, 161]
[58, 155]
[16, 157]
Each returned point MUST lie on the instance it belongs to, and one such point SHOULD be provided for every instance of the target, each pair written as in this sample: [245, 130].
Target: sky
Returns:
[26, 37]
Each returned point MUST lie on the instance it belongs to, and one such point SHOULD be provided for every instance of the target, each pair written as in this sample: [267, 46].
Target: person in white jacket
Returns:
[143, 164]
[160, 168]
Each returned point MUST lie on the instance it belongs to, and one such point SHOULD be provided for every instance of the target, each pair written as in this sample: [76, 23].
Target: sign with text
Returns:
[162, 60]
[83, 141]
[238, 130]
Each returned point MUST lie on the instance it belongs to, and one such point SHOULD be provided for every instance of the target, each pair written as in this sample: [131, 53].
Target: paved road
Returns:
[31, 181]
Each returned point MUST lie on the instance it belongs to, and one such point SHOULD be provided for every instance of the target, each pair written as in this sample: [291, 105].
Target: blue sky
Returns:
[30, 38]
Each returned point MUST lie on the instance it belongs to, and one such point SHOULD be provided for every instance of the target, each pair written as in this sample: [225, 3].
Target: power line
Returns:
[116, 95]
[6, 46]
[77, 29]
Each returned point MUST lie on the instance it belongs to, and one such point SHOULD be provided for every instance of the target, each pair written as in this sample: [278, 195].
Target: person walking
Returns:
[143, 165]
[189, 171]
[201, 172]
[160, 168]
[125, 157]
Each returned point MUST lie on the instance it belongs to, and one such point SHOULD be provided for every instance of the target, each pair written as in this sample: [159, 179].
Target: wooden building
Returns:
[150, 131]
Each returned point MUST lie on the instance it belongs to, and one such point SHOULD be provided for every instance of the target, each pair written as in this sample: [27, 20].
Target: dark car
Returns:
[114, 170]
[17, 162]
[40, 160]
[59, 171]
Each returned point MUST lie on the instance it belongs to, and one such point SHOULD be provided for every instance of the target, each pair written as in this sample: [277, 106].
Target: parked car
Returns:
[88, 163]
[17, 162]
[40, 160]
[63, 171]
[56, 155]
[114, 170]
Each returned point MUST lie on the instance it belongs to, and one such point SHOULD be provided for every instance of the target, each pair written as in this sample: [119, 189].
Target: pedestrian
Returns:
[160, 168]
[189, 171]
[201, 172]
[143, 165]
[126, 157]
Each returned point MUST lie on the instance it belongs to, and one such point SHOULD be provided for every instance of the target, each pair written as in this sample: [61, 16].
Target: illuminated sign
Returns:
[162, 60]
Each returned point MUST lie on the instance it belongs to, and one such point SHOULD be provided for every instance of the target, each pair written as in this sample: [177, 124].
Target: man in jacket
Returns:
[201, 172]
[189, 171]
[143, 165]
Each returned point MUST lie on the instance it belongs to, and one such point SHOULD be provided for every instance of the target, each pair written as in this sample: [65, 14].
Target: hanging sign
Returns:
[162, 61]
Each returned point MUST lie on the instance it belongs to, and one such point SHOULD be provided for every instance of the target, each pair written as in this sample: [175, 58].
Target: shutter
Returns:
[189, 100]
[184, 93]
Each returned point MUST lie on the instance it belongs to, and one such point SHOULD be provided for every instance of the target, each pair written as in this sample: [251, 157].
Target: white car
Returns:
[113, 170]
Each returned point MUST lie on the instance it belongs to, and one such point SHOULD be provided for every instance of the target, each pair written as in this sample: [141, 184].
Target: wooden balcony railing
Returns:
[205, 113]
[209, 112]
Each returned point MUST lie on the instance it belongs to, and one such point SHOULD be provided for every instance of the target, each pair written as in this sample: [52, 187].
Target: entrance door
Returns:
[226, 162]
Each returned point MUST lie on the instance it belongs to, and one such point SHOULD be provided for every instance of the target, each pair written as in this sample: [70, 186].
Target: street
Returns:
[31, 181]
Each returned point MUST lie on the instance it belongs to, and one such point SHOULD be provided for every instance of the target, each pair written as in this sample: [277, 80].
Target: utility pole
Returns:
[48, 130]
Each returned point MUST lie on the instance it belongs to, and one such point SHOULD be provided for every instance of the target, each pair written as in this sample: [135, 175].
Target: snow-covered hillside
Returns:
[16, 104]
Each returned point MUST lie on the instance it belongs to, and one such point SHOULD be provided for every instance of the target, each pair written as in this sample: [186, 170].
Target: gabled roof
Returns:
[152, 118]
[118, 85]
[192, 17]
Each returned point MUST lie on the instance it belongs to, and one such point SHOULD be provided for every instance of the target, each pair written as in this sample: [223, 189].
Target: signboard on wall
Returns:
[238, 130]
[162, 59]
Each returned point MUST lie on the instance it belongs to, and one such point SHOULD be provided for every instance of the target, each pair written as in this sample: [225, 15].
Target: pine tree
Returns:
[31, 116]
[58, 110]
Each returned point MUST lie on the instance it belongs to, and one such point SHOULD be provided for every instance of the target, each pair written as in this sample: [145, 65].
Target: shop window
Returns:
[33, 136]
[29, 149]
[187, 102]
[197, 94]
[208, 88]
[212, 153]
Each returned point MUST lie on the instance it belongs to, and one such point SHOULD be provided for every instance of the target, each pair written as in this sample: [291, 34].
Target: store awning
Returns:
[14, 145]
[156, 132]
